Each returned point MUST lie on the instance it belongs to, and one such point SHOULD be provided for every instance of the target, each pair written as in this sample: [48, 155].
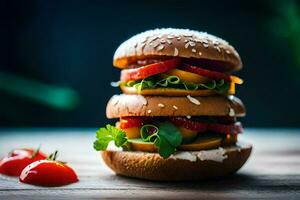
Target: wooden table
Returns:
[273, 170]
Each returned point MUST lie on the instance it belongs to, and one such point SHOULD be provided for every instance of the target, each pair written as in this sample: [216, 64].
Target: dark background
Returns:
[56, 56]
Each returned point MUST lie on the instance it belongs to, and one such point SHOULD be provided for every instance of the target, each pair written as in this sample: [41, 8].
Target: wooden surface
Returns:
[272, 172]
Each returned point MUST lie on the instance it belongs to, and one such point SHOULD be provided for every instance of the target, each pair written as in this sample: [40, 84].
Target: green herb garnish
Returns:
[166, 137]
[107, 134]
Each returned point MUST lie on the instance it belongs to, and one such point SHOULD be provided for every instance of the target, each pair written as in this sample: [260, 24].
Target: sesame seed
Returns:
[175, 107]
[149, 111]
[219, 50]
[162, 41]
[205, 45]
[154, 38]
[200, 53]
[194, 50]
[160, 105]
[169, 41]
[193, 100]
[187, 45]
[231, 112]
[178, 38]
[192, 44]
[175, 52]
[160, 47]
[188, 116]
[227, 51]
[170, 37]
[186, 40]
[216, 43]
[205, 41]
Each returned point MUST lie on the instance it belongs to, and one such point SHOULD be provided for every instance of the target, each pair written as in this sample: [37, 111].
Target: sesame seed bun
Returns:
[137, 105]
[153, 167]
[183, 43]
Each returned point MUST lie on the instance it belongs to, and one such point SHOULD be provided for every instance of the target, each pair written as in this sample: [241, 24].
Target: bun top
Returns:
[183, 43]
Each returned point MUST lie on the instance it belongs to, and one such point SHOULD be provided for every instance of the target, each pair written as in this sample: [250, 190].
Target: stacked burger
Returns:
[177, 114]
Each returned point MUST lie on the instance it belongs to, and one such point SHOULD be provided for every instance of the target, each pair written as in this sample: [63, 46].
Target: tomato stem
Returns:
[53, 156]
[35, 152]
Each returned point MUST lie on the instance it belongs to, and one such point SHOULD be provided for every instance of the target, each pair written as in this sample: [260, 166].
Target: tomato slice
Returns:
[189, 124]
[13, 163]
[234, 128]
[129, 122]
[48, 173]
[207, 73]
[149, 70]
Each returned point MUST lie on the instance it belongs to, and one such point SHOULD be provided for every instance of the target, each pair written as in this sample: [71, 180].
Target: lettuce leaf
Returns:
[174, 82]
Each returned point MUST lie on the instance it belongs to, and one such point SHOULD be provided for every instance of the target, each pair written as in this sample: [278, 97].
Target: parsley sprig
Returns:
[107, 134]
[166, 137]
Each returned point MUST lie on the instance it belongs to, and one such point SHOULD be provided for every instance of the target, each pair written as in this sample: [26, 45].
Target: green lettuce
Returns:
[174, 82]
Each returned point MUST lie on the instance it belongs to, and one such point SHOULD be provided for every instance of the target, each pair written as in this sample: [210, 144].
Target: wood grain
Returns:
[273, 171]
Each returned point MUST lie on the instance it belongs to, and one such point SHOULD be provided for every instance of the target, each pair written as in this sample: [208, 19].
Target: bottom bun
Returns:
[184, 165]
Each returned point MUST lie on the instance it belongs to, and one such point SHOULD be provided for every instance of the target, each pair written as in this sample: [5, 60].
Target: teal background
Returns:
[56, 56]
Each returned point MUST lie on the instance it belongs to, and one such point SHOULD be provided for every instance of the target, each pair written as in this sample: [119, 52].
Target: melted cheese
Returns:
[217, 155]
[167, 92]
[188, 76]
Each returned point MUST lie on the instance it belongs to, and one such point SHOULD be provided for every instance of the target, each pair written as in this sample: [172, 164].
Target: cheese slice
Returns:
[168, 92]
[188, 76]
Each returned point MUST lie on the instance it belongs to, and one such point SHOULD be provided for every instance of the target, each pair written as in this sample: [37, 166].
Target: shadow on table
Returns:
[228, 182]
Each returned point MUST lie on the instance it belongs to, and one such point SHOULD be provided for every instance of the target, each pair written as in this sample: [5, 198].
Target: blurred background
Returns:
[56, 56]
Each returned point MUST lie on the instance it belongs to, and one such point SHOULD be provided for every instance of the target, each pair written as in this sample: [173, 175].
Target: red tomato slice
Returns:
[129, 122]
[207, 73]
[189, 124]
[204, 127]
[48, 173]
[149, 70]
[13, 163]
[235, 128]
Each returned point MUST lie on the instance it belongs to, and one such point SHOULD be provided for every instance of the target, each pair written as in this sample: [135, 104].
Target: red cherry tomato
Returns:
[129, 122]
[207, 73]
[149, 70]
[18, 159]
[204, 126]
[48, 173]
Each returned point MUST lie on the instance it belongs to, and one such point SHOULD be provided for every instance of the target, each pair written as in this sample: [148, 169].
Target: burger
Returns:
[177, 114]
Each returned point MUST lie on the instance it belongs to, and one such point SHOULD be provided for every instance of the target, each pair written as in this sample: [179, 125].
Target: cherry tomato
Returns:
[149, 70]
[13, 163]
[207, 73]
[234, 128]
[129, 122]
[48, 173]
